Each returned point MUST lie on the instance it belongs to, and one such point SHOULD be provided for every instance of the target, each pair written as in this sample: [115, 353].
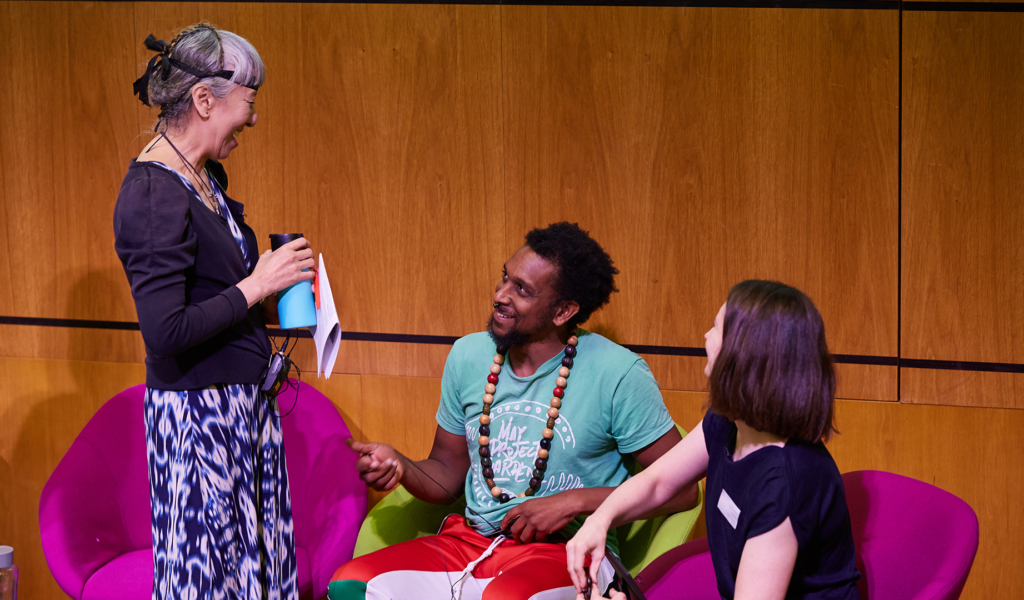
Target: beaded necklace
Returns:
[541, 463]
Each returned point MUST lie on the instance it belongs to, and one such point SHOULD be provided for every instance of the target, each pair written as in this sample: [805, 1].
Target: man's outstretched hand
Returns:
[379, 465]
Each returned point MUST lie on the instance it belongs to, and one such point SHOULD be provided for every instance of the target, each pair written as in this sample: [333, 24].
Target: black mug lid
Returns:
[280, 239]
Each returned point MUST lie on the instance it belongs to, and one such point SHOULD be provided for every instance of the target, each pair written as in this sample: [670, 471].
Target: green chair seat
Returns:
[640, 542]
[400, 517]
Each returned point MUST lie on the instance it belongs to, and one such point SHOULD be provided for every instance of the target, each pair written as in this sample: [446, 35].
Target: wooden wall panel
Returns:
[69, 343]
[962, 388]
[45, 404]
[415, 145]
[401, 160]
[264, 171]
[687, 408]
[963, 255]
[856, 382]
[346, 392]
[970, 452]
[707, 146]
[866, 382]
[378, 358]
[66, 133]
[379, 137]
[400, 411]
[681, 373]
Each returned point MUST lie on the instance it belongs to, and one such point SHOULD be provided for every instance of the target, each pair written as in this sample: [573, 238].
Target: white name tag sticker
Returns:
[729, 510]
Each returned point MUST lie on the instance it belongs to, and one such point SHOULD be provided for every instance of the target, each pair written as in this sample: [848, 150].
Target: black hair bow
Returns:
[164, 62]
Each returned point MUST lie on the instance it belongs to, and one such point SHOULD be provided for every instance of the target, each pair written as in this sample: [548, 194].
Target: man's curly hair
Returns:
[586, 274]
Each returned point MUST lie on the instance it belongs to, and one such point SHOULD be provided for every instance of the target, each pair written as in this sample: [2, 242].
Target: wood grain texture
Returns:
[45, 404]
[868, 436]
[415, 145]
[66, 133]
[856, 382]
[68, 343]
[687, 408]
[346, 393]
[71, 343]
[265, 169]
[680, 373]
[962, 388]
[963, 140]
[970, 452]
[867, 382]
[379, 137]
[378, 358]
[400, 411]
[702, 147]
[402, 161]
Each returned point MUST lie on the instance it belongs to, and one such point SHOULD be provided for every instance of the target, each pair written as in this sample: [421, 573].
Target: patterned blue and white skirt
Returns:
[222, 515]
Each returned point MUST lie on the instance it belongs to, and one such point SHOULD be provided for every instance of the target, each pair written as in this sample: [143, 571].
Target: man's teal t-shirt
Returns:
[612, 407]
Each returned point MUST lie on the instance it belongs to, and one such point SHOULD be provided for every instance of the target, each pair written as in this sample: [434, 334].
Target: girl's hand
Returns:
[588, 541]
[596, 594]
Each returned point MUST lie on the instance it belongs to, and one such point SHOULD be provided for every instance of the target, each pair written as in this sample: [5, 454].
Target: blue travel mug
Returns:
[295, 306]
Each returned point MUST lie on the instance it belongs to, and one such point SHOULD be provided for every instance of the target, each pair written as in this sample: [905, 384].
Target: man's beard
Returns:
[513, 339]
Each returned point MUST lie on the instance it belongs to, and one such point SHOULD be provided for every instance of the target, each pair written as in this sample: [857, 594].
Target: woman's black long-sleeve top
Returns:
[183, 263]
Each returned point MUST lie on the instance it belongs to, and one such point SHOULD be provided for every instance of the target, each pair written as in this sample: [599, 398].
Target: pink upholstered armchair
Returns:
[914, 542]
[94, 513]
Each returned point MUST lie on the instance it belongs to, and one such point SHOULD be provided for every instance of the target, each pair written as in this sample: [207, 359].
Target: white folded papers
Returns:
[327, 331]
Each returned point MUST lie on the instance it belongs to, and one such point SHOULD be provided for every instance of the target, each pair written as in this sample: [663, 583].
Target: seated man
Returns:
[540, 416]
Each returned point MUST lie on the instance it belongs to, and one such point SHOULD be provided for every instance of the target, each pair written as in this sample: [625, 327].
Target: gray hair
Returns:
[208, 49]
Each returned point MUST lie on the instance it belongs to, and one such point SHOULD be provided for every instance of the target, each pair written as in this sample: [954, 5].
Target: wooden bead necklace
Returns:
[541, 463]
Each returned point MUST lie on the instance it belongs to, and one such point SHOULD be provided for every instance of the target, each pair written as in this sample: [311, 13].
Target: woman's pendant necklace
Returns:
[206, 194]
[204, 191]
[541, 463]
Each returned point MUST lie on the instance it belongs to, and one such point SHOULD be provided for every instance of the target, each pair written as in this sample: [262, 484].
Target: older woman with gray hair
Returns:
[222, 521]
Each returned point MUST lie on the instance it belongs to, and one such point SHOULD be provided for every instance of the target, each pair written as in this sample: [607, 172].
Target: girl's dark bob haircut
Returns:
[774, 371]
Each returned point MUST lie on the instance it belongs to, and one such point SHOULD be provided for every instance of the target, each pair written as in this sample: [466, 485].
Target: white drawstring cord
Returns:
[469, 568]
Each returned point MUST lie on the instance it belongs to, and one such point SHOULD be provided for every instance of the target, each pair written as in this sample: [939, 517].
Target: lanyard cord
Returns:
[494, 528]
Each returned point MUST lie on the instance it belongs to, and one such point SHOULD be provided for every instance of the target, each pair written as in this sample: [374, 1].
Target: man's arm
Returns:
[438, 479]
[687, 497]
[541, 516]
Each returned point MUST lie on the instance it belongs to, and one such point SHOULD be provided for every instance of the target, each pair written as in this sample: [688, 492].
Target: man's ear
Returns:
[202, 100]
[566, 311]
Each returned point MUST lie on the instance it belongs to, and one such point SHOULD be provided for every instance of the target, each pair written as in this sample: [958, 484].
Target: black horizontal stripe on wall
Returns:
[74, 323]
[961, 365]
[667, 350]
[861, 359]
[401, 338]
[1010, 7]
[445, 340]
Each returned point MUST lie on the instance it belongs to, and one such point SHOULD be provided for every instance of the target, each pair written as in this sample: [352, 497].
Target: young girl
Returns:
[777, 521]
